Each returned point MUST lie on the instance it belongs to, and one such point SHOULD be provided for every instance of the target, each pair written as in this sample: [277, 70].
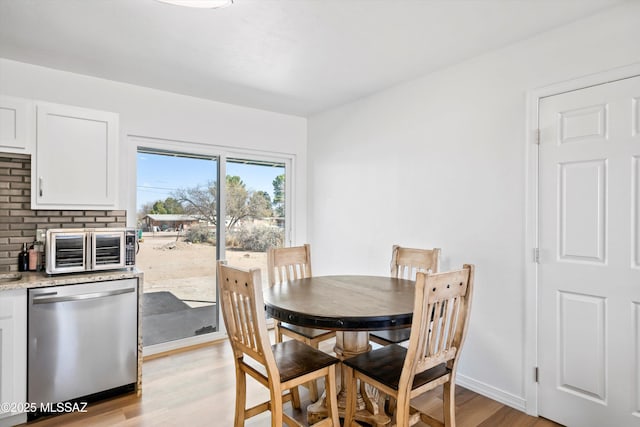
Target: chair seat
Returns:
[310, 333]
[385, 366]
[295, 359]
[391, 336]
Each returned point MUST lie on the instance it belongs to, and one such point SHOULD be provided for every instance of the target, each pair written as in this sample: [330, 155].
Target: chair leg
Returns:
[295, 397]
[276, 407]
[402, 412]
[392, 405]
[331, 396]
[241, 397]
[276, 331]
[449, 404]
[352, 384]
[313, 390]
[312, 385]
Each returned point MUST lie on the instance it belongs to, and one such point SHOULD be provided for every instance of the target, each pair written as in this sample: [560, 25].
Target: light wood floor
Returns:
[197, 388]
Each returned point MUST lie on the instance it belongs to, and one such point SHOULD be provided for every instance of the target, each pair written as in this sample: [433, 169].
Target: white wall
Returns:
[441, 162]
[157, 114]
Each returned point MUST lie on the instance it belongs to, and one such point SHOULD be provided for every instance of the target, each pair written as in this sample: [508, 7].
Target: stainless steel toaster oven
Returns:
[89, 249]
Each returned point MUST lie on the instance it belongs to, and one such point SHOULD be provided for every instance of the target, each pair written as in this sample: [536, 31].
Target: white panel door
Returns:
[589, 272]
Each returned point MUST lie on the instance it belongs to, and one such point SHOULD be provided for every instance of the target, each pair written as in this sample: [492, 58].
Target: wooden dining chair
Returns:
[405, 263]
[281, 367]
[440, 318]
[289, 264]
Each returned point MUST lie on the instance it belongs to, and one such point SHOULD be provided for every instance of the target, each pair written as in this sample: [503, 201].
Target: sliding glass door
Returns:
[255, 202]
[182, 235]
[177, 216]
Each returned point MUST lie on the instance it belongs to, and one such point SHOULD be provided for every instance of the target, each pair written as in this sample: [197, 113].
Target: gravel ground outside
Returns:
[188, 270]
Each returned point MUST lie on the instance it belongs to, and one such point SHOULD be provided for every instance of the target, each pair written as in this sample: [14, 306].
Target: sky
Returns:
[160, 175]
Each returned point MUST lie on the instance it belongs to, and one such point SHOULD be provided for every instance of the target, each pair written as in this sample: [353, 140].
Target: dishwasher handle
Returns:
[46, 299]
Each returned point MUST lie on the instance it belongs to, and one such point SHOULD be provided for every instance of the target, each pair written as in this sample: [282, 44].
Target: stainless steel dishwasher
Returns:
[82, 340]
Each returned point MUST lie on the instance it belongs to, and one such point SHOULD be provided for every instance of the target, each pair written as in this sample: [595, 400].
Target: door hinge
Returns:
[536, 255]
[536, 372]
[537, 136]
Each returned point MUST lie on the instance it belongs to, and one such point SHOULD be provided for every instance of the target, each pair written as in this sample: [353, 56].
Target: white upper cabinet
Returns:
[15, 125]
[75, 161]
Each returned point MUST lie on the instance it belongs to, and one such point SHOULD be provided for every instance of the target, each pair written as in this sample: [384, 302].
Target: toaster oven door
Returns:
[108, 249]
[67, 251]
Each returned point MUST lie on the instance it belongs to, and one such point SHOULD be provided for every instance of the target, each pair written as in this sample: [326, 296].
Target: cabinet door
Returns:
[13, 348]
[15, 121]
[75, 162]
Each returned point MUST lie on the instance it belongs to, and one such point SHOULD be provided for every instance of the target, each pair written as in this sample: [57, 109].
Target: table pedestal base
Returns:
[318, 411]
[369, 408]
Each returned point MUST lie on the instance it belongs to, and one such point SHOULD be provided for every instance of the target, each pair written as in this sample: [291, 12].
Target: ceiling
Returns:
[296, 57]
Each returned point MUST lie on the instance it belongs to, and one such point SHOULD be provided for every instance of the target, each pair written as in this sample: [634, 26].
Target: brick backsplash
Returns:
[18, 223]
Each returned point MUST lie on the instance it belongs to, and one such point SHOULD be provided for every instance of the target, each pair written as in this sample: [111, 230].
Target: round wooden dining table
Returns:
[352, 306]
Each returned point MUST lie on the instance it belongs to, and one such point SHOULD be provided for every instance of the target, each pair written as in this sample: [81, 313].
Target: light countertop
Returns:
[30, 279]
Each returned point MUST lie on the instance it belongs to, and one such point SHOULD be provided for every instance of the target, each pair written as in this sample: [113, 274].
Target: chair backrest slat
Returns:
[406, 262]
[289, 263]
[454, 316]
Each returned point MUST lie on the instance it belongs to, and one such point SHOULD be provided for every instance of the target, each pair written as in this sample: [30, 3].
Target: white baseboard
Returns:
[491, 392]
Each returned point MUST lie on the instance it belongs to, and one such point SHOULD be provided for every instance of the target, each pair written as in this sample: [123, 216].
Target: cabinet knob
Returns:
[40, 181]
